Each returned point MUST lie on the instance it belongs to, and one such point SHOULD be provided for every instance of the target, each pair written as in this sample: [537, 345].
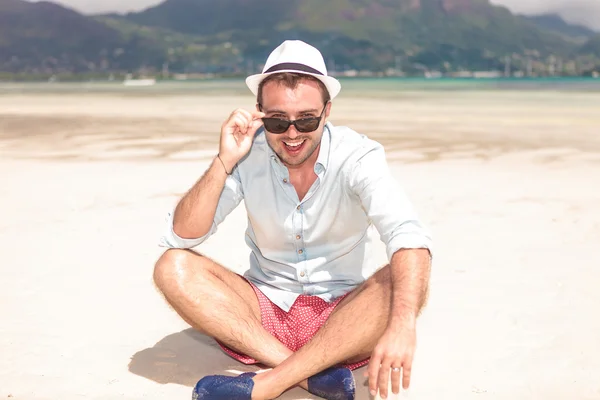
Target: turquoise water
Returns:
[349, 85]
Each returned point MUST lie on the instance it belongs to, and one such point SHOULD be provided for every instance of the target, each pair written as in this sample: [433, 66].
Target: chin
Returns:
[298, 160]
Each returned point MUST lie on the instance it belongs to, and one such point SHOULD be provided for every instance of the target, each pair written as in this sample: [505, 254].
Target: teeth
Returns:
[294, 144]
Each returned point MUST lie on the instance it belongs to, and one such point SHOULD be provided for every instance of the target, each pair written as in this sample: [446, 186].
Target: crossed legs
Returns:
[218, 303]
[221, 304]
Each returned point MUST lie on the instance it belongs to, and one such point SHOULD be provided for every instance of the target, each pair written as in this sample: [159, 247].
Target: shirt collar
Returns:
[323, 158]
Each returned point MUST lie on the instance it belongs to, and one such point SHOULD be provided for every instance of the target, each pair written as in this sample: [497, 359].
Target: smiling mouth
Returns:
[294, 147]
[294, 144]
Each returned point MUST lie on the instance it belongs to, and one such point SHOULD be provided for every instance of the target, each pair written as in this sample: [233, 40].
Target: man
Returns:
[313, 305]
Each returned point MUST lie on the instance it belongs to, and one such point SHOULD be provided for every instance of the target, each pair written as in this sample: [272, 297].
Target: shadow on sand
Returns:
[185, 357]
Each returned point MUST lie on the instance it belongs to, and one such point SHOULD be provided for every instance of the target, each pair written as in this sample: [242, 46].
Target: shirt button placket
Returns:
[300, 244]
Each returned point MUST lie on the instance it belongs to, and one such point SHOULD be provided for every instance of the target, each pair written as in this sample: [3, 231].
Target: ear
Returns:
[328, 110]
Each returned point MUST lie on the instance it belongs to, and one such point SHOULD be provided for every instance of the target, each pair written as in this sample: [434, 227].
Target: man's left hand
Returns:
[394, 353]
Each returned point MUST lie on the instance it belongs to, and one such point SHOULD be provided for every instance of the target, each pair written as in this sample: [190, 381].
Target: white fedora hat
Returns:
[296, 56]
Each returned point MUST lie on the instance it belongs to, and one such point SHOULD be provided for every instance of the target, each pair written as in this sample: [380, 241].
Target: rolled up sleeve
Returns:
[230, 198]
[387, 204]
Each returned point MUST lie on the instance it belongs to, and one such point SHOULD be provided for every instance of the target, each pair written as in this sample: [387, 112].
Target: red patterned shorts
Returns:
[294, 328]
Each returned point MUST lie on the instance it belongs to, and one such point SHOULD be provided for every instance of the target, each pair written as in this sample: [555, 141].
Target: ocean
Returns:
[385, 87]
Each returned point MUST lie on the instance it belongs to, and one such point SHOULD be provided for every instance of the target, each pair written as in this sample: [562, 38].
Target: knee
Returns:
[171, 269]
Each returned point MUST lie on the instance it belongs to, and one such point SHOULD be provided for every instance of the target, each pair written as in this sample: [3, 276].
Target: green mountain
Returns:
[554, 23]
[439, 34]
[591, 47]
[236, 36]
[44, 37]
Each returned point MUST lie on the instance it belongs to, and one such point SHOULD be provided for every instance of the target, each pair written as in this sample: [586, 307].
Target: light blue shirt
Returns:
[320, 245]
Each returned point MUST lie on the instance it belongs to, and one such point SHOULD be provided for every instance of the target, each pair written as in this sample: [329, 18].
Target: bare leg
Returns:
[344, 338]
[218, 303]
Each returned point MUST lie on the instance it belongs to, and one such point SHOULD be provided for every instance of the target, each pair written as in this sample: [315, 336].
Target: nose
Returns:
[292, 132]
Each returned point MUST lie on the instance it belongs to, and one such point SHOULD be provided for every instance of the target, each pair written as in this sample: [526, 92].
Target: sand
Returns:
[507, 181]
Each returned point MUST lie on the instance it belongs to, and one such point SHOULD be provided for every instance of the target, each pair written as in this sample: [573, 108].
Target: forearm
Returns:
[410, 284]
[195, 212]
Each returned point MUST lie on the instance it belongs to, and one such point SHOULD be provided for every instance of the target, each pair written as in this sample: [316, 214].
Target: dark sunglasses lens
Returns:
[275, 125]
[307, 125]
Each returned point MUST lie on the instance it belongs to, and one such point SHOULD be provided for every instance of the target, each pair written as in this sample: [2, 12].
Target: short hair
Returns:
[291, 80]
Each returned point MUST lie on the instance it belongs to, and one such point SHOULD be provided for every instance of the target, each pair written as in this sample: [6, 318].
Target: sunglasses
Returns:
[304, 125]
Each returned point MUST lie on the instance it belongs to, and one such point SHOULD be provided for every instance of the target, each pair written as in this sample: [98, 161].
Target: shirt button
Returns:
[285, 181]
[298, 208]
[300, 251]
[302, 274]
[298, 237]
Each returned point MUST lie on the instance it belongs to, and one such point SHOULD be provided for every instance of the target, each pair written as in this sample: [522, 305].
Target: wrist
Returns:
[227, 164]
[402, 317]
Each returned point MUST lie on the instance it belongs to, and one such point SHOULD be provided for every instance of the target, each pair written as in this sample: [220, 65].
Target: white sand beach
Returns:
[508, 182]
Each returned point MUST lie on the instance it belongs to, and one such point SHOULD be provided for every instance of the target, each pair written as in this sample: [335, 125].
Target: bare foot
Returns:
[265, 387]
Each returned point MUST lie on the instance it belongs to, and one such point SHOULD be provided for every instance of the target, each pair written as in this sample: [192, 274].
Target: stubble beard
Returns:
[279, 149]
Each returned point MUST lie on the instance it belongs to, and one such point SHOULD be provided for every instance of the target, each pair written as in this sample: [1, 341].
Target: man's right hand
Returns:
[237, 135]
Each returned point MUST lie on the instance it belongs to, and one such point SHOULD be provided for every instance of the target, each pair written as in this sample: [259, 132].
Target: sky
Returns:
[585, 12]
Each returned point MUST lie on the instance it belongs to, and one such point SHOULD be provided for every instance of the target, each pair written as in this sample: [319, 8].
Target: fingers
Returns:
[384, 378]
[396, 380]
[241, 123]
[245, 113]
[244, 122]
[256, 123]
[382, 372]
[373, 371]
[258, 115]
[238, 121]
[406, 373]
